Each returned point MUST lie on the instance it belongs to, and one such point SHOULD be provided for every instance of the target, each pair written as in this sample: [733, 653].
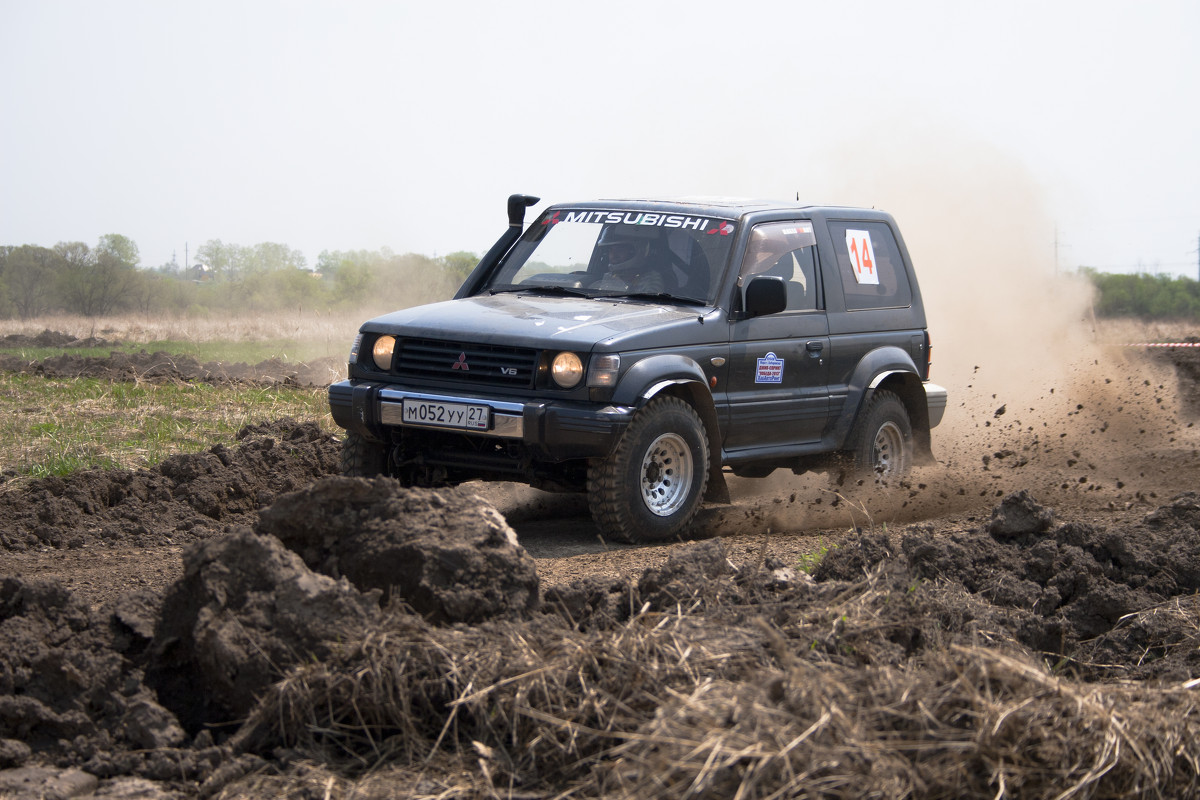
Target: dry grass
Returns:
[332, 330]
[1132, 331]
[703, 702]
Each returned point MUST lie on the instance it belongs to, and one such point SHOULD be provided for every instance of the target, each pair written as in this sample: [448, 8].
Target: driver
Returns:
[631, 258]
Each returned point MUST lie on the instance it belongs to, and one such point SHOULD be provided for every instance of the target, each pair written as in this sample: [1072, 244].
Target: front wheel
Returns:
[882, 441]
[362, 458]
[651, 486]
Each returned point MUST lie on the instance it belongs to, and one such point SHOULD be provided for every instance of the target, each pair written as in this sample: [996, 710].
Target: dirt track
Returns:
[1094, 565]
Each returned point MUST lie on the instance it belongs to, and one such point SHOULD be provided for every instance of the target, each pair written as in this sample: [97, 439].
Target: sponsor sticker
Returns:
[651, 219]
[770, 369]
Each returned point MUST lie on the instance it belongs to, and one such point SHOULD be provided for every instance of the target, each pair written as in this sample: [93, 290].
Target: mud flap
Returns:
[717, 490]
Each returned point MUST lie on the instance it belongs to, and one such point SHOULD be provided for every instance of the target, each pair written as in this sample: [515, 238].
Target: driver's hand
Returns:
[611, 283]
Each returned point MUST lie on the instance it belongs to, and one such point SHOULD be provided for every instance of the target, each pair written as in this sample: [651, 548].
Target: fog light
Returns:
[382, 352]
[567, 370]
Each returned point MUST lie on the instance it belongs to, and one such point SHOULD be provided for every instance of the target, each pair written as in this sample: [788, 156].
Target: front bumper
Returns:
[552, 430]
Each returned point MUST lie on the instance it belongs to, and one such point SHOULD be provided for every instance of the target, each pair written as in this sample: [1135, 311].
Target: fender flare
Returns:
[652, 374]
[685, 378]
[872, 371]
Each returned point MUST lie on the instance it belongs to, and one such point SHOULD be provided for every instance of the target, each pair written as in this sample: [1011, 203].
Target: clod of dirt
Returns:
[591, 602]
[1019, 515]
[447, 553]
[245, 610]
[853, 559]
[687, 569]
[48, 784]
[13, 753]
[1183, 509]
[62, 678]
[134, 616]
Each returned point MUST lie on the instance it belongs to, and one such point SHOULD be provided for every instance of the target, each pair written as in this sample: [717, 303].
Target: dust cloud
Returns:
[1041, 396]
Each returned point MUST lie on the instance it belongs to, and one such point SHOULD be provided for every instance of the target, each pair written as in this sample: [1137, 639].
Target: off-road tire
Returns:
[881, 444]
[361, 458]
[650, 488]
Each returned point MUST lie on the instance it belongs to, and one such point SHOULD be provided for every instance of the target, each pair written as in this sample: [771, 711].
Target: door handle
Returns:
[815, 346]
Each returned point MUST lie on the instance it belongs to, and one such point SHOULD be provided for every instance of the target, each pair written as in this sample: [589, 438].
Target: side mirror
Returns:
[766, 294]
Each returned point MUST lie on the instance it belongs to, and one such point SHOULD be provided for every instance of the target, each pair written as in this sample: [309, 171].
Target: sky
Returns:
[1074, 126]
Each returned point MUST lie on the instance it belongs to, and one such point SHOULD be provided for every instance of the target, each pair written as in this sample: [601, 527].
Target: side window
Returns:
[873, 275]
[787, 249]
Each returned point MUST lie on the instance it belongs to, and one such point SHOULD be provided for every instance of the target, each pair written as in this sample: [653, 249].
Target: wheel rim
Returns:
[666, 474]
[887, 453]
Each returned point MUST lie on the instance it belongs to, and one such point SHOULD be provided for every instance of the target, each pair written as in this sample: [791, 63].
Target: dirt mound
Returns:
[1053, 589]
[245, 611]
[185, 498]
[64, 674]
[448, 553]
[161, 367]
[727, 680]
[49, 338]
[699, 676]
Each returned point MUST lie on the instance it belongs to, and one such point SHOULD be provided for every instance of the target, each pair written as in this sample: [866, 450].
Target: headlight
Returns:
[567, 370]
[382, 352]
[603, 372]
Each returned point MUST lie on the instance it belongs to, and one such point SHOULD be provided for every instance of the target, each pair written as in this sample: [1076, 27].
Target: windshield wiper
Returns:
[661, 296]
[545, 289]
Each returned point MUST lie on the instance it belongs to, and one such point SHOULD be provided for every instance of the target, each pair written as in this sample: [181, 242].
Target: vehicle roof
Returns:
[722, 207]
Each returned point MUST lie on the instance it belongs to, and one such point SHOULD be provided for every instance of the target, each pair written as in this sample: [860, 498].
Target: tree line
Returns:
[107, 279]
[1146, 296]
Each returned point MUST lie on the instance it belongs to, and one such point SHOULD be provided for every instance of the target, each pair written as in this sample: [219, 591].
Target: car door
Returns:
[779, 363]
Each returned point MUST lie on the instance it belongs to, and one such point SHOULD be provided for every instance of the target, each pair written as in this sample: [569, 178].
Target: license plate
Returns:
[445, 415]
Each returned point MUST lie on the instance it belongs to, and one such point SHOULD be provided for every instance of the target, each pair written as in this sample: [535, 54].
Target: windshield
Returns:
[618, 254]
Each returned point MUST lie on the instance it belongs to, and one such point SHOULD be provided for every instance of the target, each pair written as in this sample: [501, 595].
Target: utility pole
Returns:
[1056, 250]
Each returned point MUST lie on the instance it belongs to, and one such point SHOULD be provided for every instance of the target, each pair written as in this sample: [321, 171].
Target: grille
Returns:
[473, 364]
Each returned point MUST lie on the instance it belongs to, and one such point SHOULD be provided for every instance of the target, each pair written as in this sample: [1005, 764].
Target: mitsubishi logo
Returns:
[461, 363]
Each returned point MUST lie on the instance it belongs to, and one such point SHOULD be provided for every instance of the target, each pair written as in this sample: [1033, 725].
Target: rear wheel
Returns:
[362, 458]
[651, 486]
[882, 441]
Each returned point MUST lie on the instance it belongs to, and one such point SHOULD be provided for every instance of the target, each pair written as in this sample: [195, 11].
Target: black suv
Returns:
[638, 349]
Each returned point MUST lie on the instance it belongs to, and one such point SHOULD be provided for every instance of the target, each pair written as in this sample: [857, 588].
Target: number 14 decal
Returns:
[862, 256]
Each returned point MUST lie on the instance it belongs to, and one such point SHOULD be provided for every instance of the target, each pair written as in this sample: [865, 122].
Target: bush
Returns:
[1146, 296]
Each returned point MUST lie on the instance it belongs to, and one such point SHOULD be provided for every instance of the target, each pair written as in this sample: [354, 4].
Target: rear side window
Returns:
[873, 275]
